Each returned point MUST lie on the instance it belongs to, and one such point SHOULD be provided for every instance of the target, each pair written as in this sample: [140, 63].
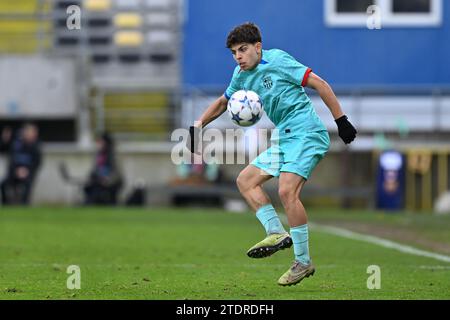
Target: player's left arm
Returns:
[346, 130]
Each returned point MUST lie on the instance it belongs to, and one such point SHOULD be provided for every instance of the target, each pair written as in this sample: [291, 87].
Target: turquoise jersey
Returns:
[279, 80]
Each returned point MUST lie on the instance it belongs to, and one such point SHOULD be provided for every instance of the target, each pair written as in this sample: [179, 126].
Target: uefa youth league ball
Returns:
[245, 108]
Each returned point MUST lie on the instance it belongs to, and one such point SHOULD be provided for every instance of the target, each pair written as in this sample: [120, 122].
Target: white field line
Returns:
[374, 240]
[435, 267]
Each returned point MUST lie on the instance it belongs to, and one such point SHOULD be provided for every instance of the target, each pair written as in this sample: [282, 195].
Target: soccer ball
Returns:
[245, 108]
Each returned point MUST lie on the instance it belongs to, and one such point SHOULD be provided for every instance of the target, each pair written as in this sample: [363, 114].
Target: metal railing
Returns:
[373, 109]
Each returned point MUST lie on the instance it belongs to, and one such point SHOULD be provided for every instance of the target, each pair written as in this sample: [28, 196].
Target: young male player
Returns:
[301, 143]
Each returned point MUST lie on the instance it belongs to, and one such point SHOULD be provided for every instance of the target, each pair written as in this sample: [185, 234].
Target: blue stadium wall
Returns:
[343, 56]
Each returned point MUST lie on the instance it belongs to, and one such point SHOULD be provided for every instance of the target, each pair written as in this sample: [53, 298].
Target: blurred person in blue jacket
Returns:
[24, 153]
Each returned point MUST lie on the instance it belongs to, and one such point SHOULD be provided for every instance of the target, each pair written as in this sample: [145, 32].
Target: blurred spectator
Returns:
[105, 179]
[24, 154]
[194, 178]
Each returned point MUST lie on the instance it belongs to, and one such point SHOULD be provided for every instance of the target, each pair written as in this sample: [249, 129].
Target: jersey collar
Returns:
[262, 58]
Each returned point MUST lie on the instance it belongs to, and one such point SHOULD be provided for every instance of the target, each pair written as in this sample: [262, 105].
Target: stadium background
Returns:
[140, 69]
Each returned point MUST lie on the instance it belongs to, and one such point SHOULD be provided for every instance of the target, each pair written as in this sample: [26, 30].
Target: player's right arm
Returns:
[211, 113]
[214, 111]
[219, 106]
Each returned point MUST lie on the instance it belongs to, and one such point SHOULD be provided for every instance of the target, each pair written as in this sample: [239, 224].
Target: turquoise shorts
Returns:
[296, 153]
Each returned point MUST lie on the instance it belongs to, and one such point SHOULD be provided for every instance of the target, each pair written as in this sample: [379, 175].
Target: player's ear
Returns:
[258, 47]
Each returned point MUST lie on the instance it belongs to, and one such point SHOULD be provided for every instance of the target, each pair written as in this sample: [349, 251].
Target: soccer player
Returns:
[301, 142]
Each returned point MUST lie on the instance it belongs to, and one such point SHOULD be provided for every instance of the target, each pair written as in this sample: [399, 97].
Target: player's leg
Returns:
[302, 154]
[290, 188]
[250, 182]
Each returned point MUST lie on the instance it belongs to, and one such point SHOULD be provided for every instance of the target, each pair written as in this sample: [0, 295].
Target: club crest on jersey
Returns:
[267, 82]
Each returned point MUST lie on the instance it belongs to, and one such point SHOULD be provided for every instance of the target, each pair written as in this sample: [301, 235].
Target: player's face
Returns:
[247, 55]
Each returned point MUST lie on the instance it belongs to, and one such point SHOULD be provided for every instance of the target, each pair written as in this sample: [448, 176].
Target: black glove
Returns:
[194, 139]
[346, 130]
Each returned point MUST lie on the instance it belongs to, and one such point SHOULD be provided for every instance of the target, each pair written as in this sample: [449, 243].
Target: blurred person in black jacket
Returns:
[24, 153]
[105, 179]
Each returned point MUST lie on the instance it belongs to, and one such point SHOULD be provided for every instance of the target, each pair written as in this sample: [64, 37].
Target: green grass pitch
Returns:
[190, 254]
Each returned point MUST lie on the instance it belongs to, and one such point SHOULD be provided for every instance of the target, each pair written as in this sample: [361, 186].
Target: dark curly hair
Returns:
[244, 33]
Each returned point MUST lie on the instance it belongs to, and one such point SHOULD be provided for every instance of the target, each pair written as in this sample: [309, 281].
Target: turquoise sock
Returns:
[300, 239]
[269, 219]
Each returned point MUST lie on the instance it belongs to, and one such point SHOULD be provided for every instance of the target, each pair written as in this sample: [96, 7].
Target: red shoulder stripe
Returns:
[305, 77]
